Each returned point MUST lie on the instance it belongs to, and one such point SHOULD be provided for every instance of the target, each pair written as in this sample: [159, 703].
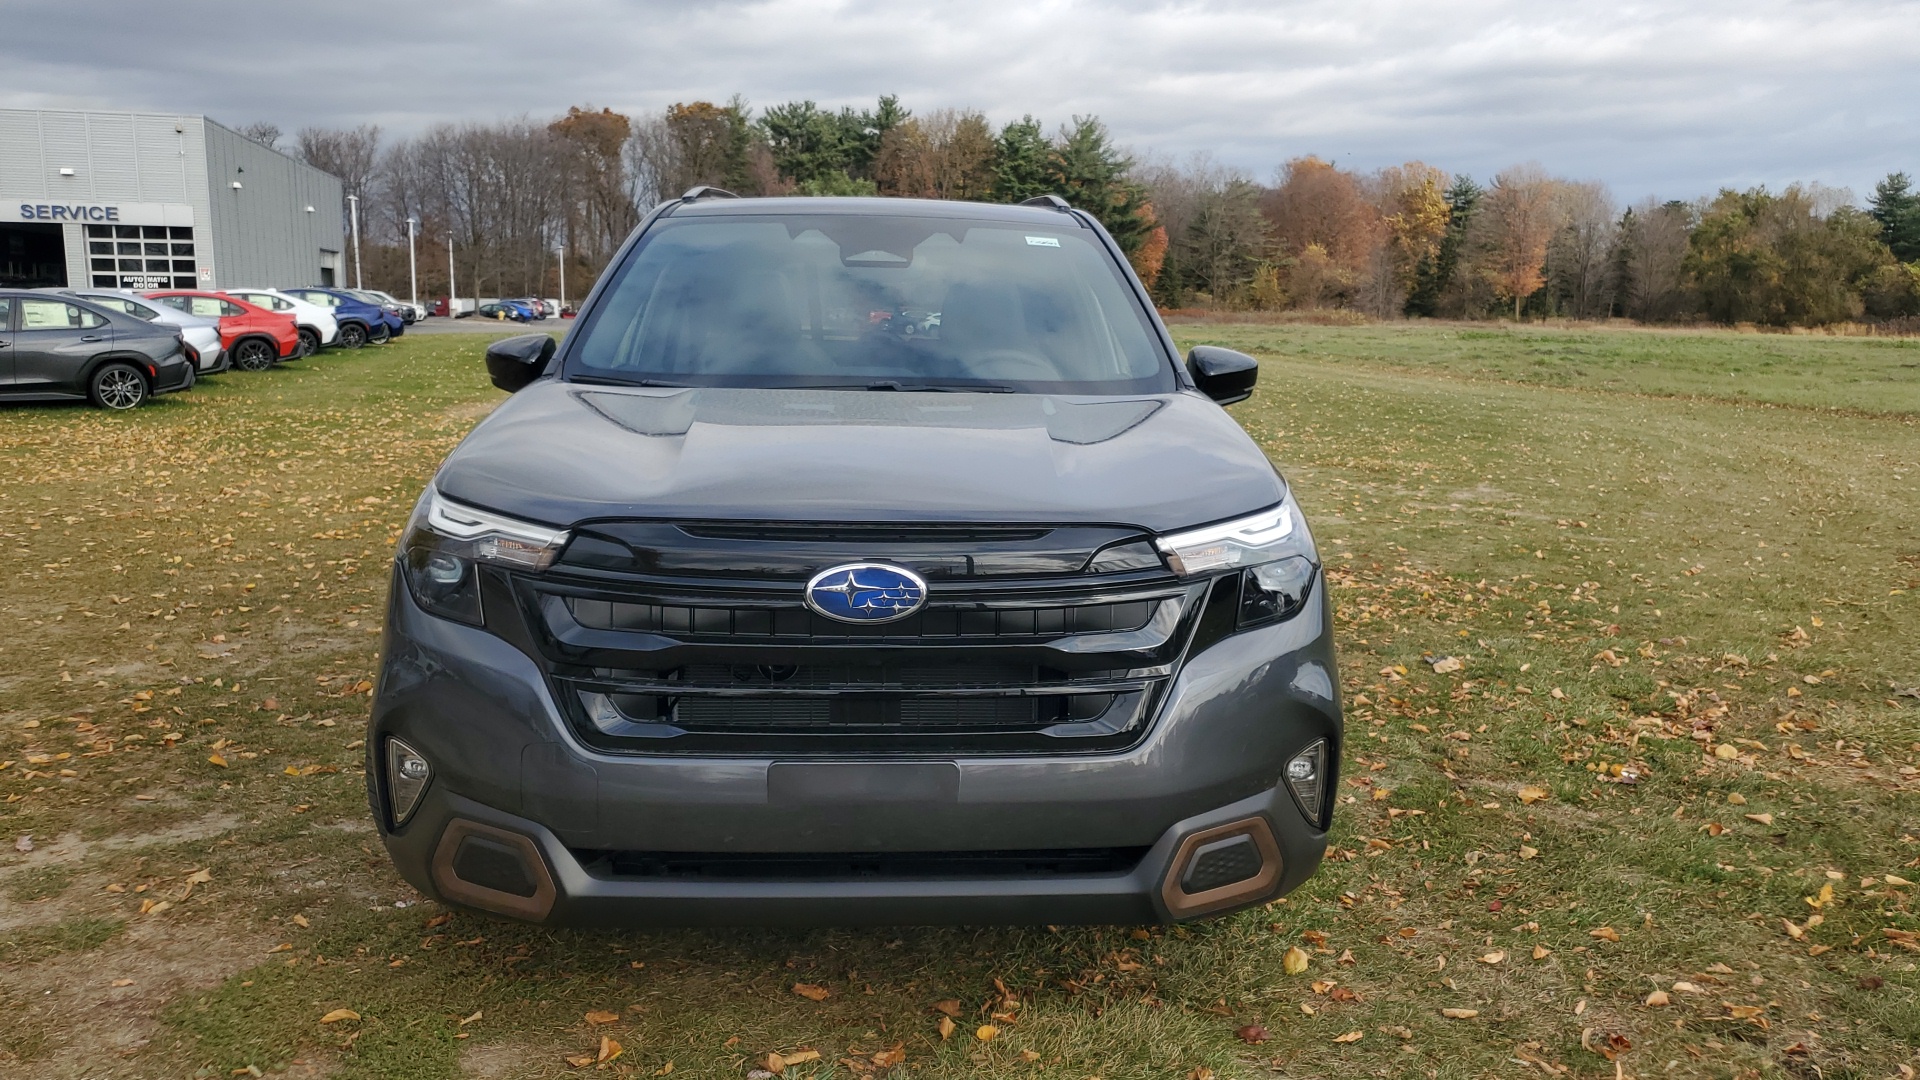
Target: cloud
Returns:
[1670, 99]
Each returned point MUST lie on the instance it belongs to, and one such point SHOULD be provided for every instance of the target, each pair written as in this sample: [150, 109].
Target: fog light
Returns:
[1306, 778]
[407, 776]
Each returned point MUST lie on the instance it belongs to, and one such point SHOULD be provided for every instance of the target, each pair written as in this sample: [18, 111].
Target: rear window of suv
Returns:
[871, 302]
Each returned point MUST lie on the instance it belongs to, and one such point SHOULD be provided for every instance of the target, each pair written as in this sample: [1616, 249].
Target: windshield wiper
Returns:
[601, 380]
[938, 388]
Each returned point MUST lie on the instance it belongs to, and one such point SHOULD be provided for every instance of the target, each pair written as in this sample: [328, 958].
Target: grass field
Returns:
[1661, 822]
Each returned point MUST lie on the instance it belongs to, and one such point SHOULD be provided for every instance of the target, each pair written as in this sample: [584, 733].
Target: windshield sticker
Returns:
[1042, 241]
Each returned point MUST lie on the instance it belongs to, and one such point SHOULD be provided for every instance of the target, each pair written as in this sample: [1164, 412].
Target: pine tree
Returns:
[1432, 275]
[1020, 169]
[1897, 209]
[1090, 172]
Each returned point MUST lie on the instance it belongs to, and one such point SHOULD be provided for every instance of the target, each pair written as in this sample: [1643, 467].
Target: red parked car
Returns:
[256, 338]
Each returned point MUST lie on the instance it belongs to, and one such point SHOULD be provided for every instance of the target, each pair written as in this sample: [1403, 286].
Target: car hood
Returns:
[563, 453]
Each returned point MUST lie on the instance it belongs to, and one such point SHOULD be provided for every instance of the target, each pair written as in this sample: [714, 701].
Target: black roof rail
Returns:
[707, 191]
[1054, 201]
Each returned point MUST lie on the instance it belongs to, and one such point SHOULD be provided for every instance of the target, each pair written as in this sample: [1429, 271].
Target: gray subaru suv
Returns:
[858, 561]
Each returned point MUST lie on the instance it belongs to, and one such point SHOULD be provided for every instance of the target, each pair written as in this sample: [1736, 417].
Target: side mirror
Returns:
[1224, 375]
[517, 361]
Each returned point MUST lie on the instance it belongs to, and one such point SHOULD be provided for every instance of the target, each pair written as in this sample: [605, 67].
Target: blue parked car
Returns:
[396, 316]
[512, 310]
[360, 322]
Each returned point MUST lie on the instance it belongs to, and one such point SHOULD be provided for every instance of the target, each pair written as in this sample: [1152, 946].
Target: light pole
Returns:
[353, 211]
[563, 278]
[451, 294]
[413, 265]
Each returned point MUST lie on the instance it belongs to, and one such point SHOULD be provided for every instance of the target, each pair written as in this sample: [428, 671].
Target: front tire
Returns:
[253, 354]
[117, 387]
[309, 341]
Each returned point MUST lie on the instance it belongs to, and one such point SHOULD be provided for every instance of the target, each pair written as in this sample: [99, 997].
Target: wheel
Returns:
[309, 341]
[118, 387]
[352, 335]
[253, 354]
[381, 336]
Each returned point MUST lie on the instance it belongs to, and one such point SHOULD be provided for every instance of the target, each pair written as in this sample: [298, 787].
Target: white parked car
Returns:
[317, 325]
[203, 334]
[410, 313]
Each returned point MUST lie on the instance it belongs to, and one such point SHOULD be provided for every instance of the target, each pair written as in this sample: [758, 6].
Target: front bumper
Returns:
[505, 760]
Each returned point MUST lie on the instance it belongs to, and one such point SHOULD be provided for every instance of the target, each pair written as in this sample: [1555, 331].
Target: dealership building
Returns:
[150, 201]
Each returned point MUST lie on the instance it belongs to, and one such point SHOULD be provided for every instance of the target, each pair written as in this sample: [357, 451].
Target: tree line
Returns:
[511, 200]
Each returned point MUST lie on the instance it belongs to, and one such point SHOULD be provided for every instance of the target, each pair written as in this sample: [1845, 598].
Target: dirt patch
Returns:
[84, 1025]
[496, 1061]
[71, 850]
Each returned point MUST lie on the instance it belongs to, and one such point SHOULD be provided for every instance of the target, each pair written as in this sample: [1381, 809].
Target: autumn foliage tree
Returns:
[1517, 218]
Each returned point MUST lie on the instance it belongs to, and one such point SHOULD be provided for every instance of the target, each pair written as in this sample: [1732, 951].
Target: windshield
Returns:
[897, 303]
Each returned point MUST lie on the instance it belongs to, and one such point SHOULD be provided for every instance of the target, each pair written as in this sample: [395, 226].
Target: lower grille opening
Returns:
[905, 714]
[1074, 862]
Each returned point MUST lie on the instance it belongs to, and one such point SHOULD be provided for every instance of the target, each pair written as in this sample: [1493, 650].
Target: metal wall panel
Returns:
[263, 232]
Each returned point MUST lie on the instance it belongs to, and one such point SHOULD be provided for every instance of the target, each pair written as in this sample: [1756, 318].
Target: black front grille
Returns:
[1076, 862]
[698, 641]
[792, 621]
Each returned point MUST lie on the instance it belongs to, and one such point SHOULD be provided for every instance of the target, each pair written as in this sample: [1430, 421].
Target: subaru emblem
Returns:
[866, 593]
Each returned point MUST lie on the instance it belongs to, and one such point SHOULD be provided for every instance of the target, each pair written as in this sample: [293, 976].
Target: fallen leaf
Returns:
[1252, 1033]
[985, 1032]
[24, 844]
[1529, 852]
[1494, 957]
[1350, 1037]
[468, 1020]
[1294, 961]
[1446, 665]
[1604, 933]
[1658, 999]
[1686, 988]
[1764, 819]
[1532, 794]
[811, 992]
[1459, 1014]
[664, 1070]
[580, 1061]
[950, 1006]
[1736, 799]
[1892, 880]
[609, 1050]
[601, 1016]
[122, 982]
[887, 1059]
[1541, 952]
[216, 759]
[946, 1027]
[338, 1015]
[300, 921]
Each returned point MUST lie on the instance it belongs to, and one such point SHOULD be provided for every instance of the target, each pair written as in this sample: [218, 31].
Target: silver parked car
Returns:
[202, 333]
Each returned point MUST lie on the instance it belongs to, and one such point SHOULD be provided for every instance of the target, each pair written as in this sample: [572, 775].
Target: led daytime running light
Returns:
[1230, 544]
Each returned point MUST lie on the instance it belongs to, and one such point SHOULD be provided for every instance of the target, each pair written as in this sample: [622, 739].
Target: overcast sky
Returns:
[1674, 100]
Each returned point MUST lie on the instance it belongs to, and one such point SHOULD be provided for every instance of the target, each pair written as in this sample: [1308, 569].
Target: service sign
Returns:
[40, 209]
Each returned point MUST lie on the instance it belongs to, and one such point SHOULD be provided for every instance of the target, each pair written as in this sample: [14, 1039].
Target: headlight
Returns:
[446, 540]
[1272, 551]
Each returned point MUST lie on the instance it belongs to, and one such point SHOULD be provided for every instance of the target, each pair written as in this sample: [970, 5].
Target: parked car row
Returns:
[511, 309]
[118, 348]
